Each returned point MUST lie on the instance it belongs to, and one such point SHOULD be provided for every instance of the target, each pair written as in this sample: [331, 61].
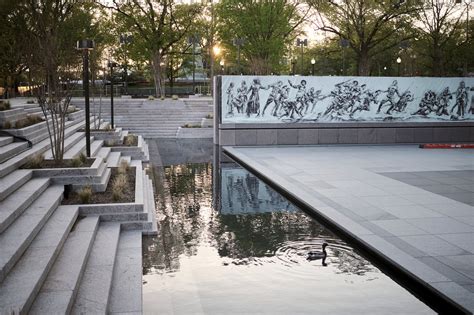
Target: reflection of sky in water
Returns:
[247, 259]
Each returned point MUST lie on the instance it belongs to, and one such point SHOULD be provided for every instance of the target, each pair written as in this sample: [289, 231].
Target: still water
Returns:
[229, 244]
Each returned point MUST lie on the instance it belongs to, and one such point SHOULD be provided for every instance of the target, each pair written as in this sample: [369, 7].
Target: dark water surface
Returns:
[229, 244]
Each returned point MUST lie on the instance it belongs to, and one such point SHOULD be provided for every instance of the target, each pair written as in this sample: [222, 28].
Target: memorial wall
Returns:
[273, 103]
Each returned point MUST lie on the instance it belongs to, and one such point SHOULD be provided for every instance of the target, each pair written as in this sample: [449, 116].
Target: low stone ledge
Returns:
[70, 171]
[193, 133]
[80, 114]
[109, 208]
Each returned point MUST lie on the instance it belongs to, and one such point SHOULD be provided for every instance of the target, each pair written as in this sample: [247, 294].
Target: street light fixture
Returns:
[111, 64]
[222, 63]
[399, 61]
[124, 40]
[194, 40]
[293, 67]
[239, 42]
[313, 62]
[302, 43]
[85, 45]
[344, 44]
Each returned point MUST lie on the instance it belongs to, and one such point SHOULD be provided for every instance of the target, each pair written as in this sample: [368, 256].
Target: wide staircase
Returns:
[79, 259]
[155, 118]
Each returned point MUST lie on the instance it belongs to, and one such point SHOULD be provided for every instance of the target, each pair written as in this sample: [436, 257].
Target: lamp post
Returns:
[313, 62]
[302, 43]
[344, 45]
[194, 40]
[124, 40]
[111, 65]
[222, 63]
[468, 7]
[293, 67]
[85, 45]
[399, 61]
[239, 42]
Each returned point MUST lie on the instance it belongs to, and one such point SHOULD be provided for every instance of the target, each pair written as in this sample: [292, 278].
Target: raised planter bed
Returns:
[76, 115]
[50, 170]
[106, 196]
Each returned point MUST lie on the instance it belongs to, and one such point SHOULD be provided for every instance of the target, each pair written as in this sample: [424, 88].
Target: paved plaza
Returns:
[413, 206]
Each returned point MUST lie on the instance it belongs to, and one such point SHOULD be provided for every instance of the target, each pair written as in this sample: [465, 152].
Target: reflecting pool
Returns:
[230, 244]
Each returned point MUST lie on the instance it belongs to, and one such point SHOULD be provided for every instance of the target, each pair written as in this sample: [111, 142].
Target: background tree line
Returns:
[356, 37]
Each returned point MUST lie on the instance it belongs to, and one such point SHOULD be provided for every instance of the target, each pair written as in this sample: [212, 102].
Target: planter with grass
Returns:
[4, 105]
[132, 145]
[27, 126]
[8, 117]
[128, 199]
[76, 114]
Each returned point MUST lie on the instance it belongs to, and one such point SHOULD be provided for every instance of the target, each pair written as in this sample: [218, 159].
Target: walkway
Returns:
[412, 206]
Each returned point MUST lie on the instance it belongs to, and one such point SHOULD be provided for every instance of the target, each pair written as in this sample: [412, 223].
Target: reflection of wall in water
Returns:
[243, 193]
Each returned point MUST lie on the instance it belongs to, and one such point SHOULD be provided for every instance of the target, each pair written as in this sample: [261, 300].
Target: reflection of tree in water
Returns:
[259, 235]
[187, 219]
[180, 223]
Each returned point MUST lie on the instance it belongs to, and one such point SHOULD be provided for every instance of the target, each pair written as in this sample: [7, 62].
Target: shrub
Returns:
[108, 127]
[174, 97]
[209, 116]
[109, 143]
[162, 98]
[85, 194]
[119, 186]
[124, 167]
[71, 109]
[130, 140]
[151, 98]
[28, 121]
[7, 125]
[35, 161]
[30, 102]
[5, 105]
[83, 158]
[192, 126]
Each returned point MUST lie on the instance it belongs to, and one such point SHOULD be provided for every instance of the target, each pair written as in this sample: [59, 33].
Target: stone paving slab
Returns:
[411, 206]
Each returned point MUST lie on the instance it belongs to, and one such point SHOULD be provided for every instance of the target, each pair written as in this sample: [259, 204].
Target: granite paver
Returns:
[412, 206]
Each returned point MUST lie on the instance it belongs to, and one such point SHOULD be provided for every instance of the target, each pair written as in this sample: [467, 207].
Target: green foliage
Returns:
[268, 28]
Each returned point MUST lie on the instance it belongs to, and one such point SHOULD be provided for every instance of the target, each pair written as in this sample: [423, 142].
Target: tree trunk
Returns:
[155, 62]
[363, 64]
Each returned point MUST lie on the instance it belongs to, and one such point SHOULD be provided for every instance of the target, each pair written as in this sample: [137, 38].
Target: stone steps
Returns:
[14, 205]
[104, 153]
[10, 150]
[20, 287]
[38, 148]
[94, 290]
[5, 140]
[69, 142]
[126, 290]
[19, 235]
[62, 282]
[113, 160]
[12, 181]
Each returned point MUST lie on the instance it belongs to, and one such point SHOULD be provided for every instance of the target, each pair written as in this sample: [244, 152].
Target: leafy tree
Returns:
[268, 27]
[439, 25]
[369, 26]
[156, 25]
